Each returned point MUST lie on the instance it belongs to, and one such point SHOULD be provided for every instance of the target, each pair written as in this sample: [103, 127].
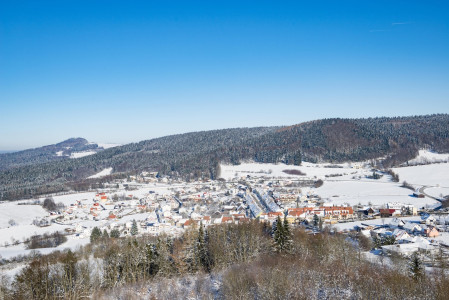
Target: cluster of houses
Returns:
[409, 236]
[180, 205]
[393, 209]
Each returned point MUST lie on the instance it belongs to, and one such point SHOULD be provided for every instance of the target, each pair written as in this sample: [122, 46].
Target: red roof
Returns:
[189, 222]
[387, 211]
[226, 219]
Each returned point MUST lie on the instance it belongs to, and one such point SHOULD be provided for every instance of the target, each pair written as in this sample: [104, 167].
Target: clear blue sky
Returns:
[124, 71]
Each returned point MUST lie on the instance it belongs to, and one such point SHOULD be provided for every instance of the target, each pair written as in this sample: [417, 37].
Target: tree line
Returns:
[246, 261]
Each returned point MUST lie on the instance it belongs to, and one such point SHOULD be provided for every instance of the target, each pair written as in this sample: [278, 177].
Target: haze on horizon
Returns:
[118, 72]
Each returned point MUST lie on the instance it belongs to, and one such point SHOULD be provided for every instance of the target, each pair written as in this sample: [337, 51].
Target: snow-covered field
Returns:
[312, 171]
[438, 192]
[81, 154]
[107, 145]
[21, 214]
[436, 175]
[426, 157]
[370, 192]
[351, 185]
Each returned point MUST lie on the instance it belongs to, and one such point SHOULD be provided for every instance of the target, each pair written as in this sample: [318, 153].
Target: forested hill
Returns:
[197, 154]
[44, 154]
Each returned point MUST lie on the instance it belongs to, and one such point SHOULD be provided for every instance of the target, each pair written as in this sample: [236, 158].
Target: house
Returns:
[332, 212]
[206, 220]
[386, 213]
[412, 228]
[271, 216]
[367, 211]
[431, 231]
[227, 219]
[338, 212]
[415, 244]
[400, 234]
[431, 220]
[403, 209]
[396, 223]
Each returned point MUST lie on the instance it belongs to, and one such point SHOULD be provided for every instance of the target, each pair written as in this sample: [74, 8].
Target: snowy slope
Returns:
[431, 175]
[427, 157]
[102, 173]
[81, 154]
[21, 214]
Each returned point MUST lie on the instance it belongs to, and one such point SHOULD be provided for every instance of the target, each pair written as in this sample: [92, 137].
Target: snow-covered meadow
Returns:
[349, 184]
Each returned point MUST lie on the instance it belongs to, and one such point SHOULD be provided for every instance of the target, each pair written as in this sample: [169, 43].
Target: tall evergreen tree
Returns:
[134, 229]
[416, 267]
[316, 220]
[288, 240]
[278, 235]
[189, 261]
[202, 253]
[95, 235]
[115, 233]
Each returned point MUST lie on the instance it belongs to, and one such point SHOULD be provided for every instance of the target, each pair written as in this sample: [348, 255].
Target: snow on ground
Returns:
[107, 145]
[59, 153]
[426, 157]
[13, 271]
[443, 238]
[105, 172]
[276, 170]
[72, 198]
[438, 192]
[350, 186]
[21, 214]
[81, 154]
[21, 232]
[72, 243]
[370, 191]
[430, 175]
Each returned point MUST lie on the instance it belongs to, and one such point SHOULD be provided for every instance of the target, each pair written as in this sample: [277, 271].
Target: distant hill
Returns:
[67, 149]
[198, 154]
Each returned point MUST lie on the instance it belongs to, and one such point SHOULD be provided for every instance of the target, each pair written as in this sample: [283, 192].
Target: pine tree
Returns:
[115, 233]
[278, 235]
[134, 229]
[162, 256]
[105, 234]
[315, 220]
[297, 159]
[288, 241]
[202, 253]
[189, 260]
[416, 268]
[95, 235]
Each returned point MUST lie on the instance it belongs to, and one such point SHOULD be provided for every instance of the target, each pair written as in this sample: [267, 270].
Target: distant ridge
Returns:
[44, 154]
[198, 154]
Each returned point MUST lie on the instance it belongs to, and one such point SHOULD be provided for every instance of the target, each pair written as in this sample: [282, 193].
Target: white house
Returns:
[412, 227]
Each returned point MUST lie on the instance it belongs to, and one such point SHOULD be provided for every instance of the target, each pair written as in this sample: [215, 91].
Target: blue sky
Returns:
[125, 71]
